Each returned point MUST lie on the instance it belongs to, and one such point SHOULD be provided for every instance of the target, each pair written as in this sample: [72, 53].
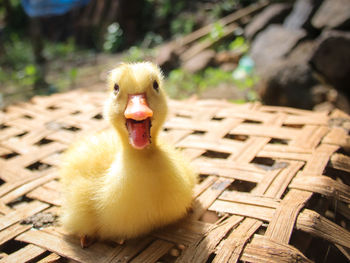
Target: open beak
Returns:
[138, 120]
[137, 108]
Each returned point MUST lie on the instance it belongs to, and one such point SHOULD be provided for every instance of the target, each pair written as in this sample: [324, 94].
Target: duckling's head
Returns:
[137, 103]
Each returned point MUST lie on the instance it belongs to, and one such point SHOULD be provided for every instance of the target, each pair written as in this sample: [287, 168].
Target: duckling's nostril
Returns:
[137, 108]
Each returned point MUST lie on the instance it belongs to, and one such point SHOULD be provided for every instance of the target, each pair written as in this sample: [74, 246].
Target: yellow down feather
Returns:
[111, 190]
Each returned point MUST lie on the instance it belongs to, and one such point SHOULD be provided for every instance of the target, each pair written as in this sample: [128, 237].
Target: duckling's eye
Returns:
[156, 86]
[116, 88]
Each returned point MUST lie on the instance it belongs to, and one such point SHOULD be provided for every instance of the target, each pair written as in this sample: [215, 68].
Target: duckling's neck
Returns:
[129, 151]
[130, 162]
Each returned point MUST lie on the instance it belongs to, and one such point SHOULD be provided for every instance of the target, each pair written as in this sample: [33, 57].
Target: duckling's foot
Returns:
[86, 241]
[120, 241]
[190, 210]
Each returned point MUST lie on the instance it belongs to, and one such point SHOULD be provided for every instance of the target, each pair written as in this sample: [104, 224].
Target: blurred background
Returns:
[287, 53]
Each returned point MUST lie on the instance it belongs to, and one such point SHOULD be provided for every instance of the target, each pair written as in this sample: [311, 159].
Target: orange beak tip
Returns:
[137, 108]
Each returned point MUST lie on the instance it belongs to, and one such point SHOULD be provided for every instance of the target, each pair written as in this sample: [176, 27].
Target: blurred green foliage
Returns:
[17, 52]
[217, 31]
[63, 50]
[17, 62]
[113, 38]
[18, 67]
[181, 84]
[222, 8]
[138, 54]
[182, 25]
[239, 44]
[161, 20]
[151, 39]
[165, 8]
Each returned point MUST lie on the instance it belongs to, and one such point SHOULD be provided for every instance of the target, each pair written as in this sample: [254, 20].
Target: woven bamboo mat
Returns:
[274, 183]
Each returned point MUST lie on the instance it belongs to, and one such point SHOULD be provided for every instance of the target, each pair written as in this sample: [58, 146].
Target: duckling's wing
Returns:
[89, 157]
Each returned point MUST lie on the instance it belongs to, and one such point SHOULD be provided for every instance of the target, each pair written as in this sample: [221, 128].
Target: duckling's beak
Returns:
[138, 120]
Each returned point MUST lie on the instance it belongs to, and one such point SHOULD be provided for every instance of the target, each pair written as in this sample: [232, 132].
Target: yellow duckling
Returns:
[124, 182]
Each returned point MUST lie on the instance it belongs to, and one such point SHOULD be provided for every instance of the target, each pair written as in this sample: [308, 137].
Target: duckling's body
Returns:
[116, 183]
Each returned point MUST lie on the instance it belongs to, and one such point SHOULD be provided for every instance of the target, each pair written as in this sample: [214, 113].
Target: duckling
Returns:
[125, 182]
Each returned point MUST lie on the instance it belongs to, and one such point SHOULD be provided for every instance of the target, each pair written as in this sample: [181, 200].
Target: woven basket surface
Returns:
[273, 183]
